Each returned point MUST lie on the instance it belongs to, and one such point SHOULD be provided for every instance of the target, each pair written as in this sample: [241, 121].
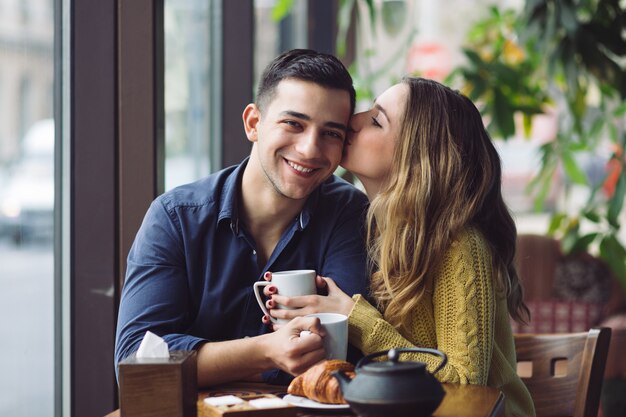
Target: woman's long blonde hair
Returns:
[446, 176]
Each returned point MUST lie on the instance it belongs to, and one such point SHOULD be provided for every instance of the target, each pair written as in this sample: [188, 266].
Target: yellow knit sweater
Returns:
[464, 316]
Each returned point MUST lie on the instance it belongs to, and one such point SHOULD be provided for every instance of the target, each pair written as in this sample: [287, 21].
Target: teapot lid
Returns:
[393, 365]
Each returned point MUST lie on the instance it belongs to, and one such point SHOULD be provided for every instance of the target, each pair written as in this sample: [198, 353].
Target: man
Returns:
[202, 246]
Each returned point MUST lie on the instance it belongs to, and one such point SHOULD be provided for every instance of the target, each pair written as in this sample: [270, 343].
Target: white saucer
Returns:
[306, 403]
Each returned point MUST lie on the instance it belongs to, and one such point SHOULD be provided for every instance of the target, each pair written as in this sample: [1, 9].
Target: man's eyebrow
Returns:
[336, 125]
[296, 114]
[331, 124]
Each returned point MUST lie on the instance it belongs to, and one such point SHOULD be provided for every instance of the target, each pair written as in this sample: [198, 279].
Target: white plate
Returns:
[306, 403]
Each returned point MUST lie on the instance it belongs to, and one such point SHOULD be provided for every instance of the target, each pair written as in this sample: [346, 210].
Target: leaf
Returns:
[555, 223]
[505, 74]
[527, 123]
[614, 254]
[596, 128]
[568, 18]
[281, 9]
[503, 114]
[544, 178]
[620, 110]
[372, 11]
[568, 242]
[594, 191]
[344, 18]
[592, 216]
[542, 194]
[583, 242]
[474, 57]
[572, 170]
[577, 146]
[617, 201]
[480, 87]
[613, 133]
[579, 107]
[534, 8]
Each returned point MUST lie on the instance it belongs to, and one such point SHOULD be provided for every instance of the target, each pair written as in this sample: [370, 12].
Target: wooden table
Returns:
[460, 400]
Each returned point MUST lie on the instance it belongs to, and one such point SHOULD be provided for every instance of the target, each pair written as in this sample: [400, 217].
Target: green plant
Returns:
[585, 56]
[501, 74]
[571, 54]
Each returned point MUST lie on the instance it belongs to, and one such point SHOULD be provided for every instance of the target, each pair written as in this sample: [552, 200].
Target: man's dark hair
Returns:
[306, 65]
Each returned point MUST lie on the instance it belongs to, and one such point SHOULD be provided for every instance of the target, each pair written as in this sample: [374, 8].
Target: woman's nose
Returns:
[356, 122]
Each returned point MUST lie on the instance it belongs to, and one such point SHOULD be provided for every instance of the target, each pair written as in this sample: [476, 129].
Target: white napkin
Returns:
[223, 400]
[152, 346]
[268, 403]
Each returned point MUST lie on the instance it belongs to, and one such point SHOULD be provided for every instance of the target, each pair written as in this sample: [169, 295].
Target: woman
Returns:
[441, 240]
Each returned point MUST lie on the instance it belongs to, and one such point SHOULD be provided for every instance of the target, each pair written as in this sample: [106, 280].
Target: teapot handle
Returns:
[394, 356]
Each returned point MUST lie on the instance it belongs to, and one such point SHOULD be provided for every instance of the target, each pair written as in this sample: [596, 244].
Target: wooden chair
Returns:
[566, 370]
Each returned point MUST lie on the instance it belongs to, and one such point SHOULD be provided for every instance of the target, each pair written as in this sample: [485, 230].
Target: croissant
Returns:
[318, 384]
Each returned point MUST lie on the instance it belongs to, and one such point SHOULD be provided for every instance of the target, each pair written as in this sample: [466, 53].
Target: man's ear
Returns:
[251, 118]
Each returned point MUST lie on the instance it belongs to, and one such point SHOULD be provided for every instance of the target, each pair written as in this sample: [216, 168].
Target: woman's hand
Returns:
[335, 302]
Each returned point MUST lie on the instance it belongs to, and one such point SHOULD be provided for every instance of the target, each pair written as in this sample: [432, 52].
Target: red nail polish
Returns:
[267, 274]
[272, 289]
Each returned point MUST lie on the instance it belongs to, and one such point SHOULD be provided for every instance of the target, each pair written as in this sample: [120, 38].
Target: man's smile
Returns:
[300, 168]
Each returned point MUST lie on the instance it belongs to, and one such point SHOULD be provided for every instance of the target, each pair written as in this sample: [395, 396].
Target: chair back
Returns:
[566, 370]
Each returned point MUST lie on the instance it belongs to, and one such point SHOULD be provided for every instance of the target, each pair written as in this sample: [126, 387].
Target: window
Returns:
[25, 106]
[188, 73]
[272, 38]
[26, 212]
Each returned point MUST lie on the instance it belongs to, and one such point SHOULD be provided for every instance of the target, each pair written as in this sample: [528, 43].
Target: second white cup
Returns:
[288, 283]
[336, 339]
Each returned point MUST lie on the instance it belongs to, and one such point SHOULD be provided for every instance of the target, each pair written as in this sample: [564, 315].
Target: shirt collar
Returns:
[229, 201]
[309, 207]
[229, 197]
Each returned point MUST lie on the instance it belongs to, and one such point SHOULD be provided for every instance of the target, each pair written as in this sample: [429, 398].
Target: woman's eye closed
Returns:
[375, 122]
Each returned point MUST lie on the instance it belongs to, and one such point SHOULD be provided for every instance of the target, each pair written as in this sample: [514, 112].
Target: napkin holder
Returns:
[158, 387]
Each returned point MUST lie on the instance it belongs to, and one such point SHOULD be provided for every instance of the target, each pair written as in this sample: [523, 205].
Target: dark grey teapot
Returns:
[393, 388]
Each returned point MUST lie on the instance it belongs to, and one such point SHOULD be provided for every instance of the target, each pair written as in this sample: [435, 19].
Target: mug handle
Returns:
[257, 293]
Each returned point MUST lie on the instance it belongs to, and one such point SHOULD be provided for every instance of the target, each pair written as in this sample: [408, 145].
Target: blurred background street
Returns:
[26, 296]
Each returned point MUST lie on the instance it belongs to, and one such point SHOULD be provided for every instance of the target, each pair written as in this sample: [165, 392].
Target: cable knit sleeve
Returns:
[369, 331]
[464, 310]
[458, 319]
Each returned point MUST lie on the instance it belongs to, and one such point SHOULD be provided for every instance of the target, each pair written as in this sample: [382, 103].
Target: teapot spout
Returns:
[344, 380]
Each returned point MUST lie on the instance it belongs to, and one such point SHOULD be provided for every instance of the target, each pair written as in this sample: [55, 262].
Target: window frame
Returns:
[110, 166]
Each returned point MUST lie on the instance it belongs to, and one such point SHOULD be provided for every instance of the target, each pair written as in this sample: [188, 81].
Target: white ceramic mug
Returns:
[288, 283]
[336, 339]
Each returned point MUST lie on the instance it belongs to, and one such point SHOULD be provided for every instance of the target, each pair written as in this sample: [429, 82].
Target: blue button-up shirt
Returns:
[192, 265]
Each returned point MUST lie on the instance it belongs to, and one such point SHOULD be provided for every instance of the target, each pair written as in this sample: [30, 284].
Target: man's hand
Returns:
[294, 353]
[247, 358]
